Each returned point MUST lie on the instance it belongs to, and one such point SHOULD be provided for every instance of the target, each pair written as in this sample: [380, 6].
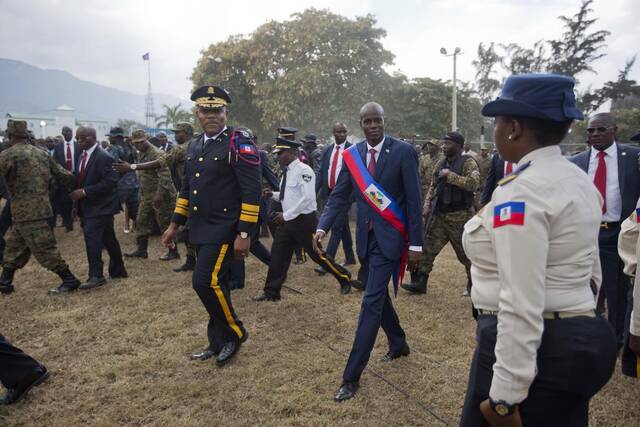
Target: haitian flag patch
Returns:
[248, 149]
[510, 213]
[638, 215]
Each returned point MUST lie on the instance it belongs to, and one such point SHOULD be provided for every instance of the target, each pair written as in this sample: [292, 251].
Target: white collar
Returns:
[611, 151]
[292, 164]
[207, 138]
[91, 150]
[378, 147]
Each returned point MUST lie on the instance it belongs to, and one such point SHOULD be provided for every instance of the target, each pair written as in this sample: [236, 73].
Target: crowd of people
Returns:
[549, 244]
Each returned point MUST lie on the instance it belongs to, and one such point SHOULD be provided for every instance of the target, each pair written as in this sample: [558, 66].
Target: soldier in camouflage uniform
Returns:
[158, 197]
[484, 164]
[448, 206]
[428, 162]
[27, 171]
[174, 161]
[128, 184]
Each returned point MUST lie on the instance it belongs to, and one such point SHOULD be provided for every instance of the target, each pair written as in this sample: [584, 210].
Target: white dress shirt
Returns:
[89, 153]
[213, 138]
[614, 199]
[629, 250]
[335, 153]
[300, 191]
[544, 265]
[64, 151]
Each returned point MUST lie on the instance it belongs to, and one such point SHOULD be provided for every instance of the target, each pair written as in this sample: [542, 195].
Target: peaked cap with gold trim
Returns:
[210, 96]
[286, 139]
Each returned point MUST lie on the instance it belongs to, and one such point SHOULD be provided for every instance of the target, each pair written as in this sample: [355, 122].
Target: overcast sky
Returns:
[103, 40]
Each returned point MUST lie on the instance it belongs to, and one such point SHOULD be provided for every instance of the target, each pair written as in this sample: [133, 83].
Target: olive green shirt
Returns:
[155, 181]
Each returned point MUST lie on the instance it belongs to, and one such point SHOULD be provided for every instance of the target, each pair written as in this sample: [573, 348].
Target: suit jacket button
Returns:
[225, 209]
[200, 159]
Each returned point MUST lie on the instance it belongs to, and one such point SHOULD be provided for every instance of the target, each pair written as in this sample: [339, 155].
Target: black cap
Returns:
[310, 138]
[116, 131]
[211, 96]
[286, 139]
[636, 137]
[454, 136]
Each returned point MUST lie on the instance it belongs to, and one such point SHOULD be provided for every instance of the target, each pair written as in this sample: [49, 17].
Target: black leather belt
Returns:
[551, 315]
[606, 225]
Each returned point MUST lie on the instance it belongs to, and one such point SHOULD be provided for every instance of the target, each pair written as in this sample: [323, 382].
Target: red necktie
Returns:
[371, 167]
[508, 168]
[334, 166]
[83, 163]
[600, 179]
[69, 162]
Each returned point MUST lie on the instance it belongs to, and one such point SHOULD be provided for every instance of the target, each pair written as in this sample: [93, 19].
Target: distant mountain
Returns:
[28, 89]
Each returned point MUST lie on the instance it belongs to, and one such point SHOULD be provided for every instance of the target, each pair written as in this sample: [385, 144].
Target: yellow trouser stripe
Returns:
[637, 366]
[220, 295]
[182, 202]
[181, 211]
[333, 268]
[248, 218]
[250, 208]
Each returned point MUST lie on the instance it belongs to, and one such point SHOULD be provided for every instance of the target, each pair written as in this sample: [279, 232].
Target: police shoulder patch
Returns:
[306, 177]
[507, 179]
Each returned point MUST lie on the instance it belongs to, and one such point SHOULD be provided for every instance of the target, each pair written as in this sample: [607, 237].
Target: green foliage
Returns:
[173, 115]
[486, 82]
[129, 125]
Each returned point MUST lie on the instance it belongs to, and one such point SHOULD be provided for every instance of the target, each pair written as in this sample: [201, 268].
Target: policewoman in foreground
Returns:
[542, 352]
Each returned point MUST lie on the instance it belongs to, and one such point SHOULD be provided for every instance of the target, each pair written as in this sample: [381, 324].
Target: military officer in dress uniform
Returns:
[297, 222]
[542, 351]
[220, 200]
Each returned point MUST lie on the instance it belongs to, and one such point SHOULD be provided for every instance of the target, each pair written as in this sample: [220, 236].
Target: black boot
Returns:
[6, 280]
[69, 282]
[141, 252]
[418, 283]
[172, 253]
[189, 264]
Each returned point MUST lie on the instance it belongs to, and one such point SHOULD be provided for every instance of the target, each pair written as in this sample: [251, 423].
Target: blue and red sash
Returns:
[382, 203]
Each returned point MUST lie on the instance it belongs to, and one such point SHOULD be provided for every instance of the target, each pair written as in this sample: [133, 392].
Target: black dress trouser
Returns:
[575, 360]
[15, 365]
[98, 234]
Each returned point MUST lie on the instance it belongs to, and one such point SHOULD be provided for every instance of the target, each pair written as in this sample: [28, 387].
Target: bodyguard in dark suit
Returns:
[97, 197]
[330, 167]
[614, 170]
[66, 154]
[393, 164]
[497, 171]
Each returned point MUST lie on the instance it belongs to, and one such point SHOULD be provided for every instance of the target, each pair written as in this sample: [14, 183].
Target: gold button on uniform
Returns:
[200, 159]
[225, 209]
[197, 174]
[195, 191]
[195, 208]
[215, 158]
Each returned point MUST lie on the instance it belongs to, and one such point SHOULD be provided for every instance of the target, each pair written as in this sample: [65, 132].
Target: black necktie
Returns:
[283, 185]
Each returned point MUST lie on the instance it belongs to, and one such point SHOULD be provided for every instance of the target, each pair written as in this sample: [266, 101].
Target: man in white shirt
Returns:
[65, 154]
[297, 222]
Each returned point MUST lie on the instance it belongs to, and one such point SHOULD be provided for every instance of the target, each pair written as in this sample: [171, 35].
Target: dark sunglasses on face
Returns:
[600, 130]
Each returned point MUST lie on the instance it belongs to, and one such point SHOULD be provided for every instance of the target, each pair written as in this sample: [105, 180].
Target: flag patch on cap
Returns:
[510, 213]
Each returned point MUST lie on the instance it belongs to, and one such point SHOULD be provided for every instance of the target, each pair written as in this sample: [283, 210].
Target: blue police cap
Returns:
[210, 96]
[286, 139]
[538, 96]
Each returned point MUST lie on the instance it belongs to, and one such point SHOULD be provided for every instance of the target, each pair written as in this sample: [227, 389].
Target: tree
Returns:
[486, 82]
[577, 49]
[173, 115]
[614, 91]
[129, 125]
[521, 60]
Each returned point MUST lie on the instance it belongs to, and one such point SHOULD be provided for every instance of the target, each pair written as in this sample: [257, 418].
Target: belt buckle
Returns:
[604, 225]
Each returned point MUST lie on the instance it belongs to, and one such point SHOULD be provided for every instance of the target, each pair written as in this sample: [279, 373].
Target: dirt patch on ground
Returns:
[119, 355]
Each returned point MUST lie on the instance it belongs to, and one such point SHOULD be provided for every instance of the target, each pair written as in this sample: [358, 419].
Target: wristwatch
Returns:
[133, 166]
[502, 408]
[243, 234]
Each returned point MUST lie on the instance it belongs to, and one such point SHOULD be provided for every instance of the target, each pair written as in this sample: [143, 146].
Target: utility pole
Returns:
[454, 97]
[149, 114]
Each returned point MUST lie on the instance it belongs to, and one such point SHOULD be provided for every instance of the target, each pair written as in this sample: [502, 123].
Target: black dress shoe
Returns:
[63, 289]
[345, 288]
[350, 262]
[227, 352]
[265, 297]
[321, 271]
[119, 275]
[15, 394]
[391, 355]
[203, 355]
[93, 282]
[357, 285]
[6, 288]
[413, 288]
[346, 392]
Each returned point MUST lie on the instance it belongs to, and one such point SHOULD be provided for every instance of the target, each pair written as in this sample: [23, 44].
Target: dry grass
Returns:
[119, 355]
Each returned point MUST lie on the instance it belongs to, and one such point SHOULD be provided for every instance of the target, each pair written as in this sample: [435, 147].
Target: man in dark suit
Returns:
[330, 167]
[497, 170]
[97, 197]
[380, 244]
[614, 170]
[66, 155]
[19, 372]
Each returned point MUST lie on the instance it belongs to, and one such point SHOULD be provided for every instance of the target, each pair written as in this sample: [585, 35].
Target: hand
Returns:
[121, 166]
[413, 259]
[78, 194]
[317, 241]
[169, 235]
[241, 247]
[443, 173]
[496, 420]
[267, 193]
[634, 343]
[425, 211]
[278, 219]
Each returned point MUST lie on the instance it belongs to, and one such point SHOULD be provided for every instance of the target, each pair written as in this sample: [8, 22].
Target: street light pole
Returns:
[454, 97]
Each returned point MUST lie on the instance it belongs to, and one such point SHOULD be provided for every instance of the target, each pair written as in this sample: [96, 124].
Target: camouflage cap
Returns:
[183, 126]
[138, 136]
[435, 142]
[17, 128]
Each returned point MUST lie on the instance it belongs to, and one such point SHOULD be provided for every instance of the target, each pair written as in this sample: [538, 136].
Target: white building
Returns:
[51, 124]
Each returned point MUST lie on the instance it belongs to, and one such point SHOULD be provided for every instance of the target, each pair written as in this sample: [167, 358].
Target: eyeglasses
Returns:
[600, 130]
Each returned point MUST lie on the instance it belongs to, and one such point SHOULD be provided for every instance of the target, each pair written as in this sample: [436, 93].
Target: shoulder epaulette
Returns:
[513, 175]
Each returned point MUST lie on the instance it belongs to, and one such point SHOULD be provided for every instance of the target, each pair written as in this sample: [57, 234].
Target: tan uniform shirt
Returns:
[629, 250]
[539, 261]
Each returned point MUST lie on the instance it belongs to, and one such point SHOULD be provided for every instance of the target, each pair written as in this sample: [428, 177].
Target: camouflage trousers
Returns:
[158, 209]
[32, 237]
[445, 228]
[183, 237]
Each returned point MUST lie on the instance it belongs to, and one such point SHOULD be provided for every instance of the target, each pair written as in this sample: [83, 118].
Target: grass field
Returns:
[119, 355]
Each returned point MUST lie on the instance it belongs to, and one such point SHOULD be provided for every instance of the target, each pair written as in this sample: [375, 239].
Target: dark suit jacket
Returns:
[322, 181]
[100, 183]
[495, 174]
[397, 173]
[61, 157]
[628, 175]
[272, 180]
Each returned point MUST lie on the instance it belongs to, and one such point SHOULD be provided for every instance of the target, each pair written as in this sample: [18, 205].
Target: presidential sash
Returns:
[382, 203]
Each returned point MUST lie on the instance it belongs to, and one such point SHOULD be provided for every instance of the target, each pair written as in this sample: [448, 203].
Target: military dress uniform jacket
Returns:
[221, 189]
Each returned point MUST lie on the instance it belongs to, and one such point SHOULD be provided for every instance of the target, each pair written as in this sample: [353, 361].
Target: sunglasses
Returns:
[600, 130]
